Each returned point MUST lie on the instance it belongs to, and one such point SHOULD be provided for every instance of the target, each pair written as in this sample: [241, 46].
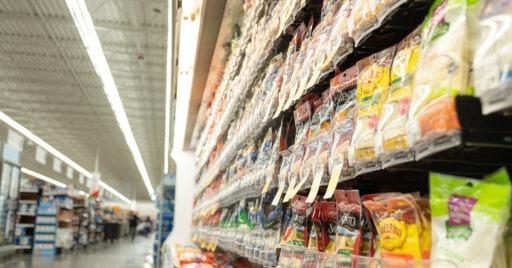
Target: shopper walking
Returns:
[134, 221]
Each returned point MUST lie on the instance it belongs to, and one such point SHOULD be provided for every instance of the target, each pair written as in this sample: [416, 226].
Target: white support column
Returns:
[185, 170]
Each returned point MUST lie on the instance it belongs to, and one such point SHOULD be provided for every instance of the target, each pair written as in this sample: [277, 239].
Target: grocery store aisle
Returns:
[123, 253]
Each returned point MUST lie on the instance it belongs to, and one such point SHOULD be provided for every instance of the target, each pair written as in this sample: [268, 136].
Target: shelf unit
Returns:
[81, 219]
[45, 234]
[10, 171]
[481, 145]
[165, 218]
[26, 218]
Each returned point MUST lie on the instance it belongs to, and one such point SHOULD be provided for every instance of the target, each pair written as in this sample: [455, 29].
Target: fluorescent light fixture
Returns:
[168, 84]
[31, 136]
[85, 26]
[43, 177]
[189, 39]
[116, 193]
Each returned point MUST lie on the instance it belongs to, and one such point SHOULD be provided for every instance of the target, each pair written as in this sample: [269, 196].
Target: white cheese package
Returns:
[442, 73]
[493, 57]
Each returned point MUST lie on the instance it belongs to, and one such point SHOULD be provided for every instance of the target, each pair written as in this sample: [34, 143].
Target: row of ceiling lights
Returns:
[84, 23]
[85, 26]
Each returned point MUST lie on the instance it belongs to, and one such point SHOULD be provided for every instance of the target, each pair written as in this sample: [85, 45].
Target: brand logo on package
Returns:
[458, 224]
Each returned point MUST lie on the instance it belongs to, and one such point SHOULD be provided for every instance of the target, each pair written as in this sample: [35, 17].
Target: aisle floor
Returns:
[123, 253]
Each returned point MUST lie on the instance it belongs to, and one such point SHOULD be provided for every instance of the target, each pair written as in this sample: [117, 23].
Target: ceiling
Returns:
[48, 84]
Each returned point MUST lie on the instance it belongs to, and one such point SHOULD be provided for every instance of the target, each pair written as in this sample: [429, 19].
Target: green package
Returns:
[468, 217]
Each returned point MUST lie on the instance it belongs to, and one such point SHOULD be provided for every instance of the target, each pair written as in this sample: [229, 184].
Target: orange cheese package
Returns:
[391, 137]
[398, 223]
[372, 85]
[348, 205]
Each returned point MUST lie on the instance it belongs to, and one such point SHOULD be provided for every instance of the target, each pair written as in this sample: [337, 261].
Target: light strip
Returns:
[43, 177]
[189, 41]
[116, 193]
[31, 136]
[85, 26]
[168, 84]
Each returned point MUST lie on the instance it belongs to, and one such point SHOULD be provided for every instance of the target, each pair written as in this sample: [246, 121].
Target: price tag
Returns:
[290, 190]
[302, 86]
[279, 109]
[351, 156]
[314, 78]
[319, 172]
[280, 191]
[291, 95]
[297, 188]
[378, 143]
[412, 132]
[266, 186]
[333, 181]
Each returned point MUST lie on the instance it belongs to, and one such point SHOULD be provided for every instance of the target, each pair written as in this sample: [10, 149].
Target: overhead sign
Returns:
[57, 165]
[15, 140]
[69, 172]
[94, 189]
[41, 155]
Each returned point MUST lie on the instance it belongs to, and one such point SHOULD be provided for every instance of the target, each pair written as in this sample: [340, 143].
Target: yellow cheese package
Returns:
[372, 85]
[398, 224]
[391, 137]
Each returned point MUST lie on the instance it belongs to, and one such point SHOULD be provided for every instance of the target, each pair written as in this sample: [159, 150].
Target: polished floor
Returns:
[122, 253]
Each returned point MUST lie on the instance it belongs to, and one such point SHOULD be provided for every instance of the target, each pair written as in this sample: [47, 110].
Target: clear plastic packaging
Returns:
[308, 165]
[294, 177]
[321, 137]
[372, 85]
[398, 223]
[493, 57]
[343, 88]
[317, 233]
[391, 137]
[368, 15]
[319, 55]
[340, 41]
[298, 257]
[283, 177]
[362, 18]
[348, 204]
[299, 229]
[272, 101]
[442, 73]
[285, 256]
